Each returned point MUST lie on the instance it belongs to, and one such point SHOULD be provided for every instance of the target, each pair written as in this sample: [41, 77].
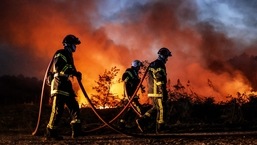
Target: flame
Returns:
[116, 89]
[236, 85]
[106, 107]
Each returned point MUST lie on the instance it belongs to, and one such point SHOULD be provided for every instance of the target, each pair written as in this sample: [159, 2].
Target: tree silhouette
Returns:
[104, 98]
[19, 89]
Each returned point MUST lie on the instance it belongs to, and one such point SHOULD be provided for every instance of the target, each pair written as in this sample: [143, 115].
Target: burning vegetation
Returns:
[186, 109]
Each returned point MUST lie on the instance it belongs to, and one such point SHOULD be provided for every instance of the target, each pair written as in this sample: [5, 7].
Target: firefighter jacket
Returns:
[131, 80]
[157, 79]
[63, 68]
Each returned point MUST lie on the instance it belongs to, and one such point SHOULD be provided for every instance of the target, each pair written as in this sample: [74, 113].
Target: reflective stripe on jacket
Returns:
[157, 79]
[131, 80]
[63, 68]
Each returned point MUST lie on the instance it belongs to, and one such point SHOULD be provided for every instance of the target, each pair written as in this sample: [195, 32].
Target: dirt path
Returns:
[117, 139]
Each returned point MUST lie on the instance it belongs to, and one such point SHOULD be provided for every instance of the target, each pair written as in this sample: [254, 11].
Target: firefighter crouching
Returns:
[157, 91]
[131, 80]
[62, 92]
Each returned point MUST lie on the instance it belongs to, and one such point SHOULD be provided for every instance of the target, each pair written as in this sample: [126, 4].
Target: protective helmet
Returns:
[164, 52]
[70, 39]
[136, 63]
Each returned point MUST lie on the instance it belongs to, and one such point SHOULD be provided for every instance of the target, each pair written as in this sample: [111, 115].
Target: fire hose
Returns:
[124, 108]
[35, 132]
[97, 114]
[41, 98]
[154, 135]
[118, 115]
[132, 105]
[158, 136]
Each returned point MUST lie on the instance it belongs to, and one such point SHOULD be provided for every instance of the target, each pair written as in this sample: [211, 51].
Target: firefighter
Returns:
[62, 92]
[157, 91]
[131, 80]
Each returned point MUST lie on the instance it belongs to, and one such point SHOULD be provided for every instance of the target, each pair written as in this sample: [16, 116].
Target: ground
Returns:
[119, 139]
[18, 122]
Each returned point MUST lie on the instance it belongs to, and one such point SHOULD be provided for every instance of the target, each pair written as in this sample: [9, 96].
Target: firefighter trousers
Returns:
[130, 112]
[58, 107]
[159, 107]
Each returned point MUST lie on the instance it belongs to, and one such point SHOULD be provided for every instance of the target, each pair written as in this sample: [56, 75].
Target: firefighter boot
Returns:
[142, 123]
[52, 134]
[76, 130]
[160, 128]
[122, 124]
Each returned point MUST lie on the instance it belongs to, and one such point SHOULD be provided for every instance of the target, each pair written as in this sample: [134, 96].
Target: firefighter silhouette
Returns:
[62, 92]
[131, 80]
[157, 91]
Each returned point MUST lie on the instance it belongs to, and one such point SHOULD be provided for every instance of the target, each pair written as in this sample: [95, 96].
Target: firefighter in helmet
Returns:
[131, 80]
[62, 92]
[157, 91]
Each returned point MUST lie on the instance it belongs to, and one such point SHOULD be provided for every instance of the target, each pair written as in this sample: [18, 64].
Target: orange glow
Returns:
[117, 89]
[200, 53]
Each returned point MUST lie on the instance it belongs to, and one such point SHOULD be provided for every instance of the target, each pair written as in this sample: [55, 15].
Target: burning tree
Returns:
[104, 98]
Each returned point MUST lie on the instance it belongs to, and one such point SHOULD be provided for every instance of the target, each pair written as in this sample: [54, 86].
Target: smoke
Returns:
[203, 48]
[206, 49]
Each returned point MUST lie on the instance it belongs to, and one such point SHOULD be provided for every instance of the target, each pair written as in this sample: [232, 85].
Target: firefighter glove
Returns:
[79, 75]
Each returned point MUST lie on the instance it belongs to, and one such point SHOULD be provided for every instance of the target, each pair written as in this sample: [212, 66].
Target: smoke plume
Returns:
[205, 49]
